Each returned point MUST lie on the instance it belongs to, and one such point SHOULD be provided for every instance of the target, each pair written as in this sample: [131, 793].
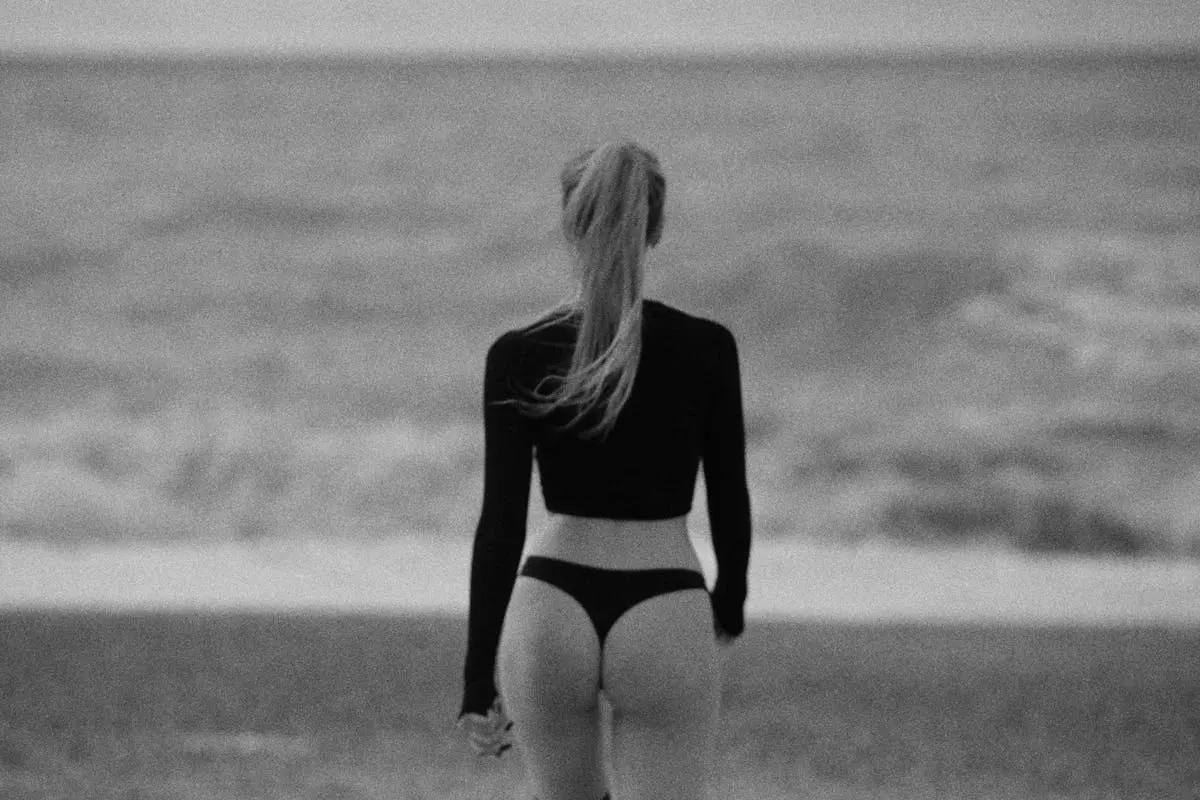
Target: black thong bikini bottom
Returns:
[606, 594]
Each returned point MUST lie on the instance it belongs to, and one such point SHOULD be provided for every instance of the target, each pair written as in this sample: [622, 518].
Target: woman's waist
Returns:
[617, 543]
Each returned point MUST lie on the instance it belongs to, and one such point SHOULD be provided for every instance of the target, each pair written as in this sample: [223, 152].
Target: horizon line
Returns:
[882, 53]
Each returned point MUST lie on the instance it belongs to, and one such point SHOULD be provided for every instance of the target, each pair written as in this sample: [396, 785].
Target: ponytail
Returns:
[612, 212]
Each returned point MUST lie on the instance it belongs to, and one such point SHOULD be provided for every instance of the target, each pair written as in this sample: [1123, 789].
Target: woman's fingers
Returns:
[488, 746]
[487, 736]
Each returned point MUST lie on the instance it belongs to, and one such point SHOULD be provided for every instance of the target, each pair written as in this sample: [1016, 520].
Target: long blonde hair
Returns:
[612, 211]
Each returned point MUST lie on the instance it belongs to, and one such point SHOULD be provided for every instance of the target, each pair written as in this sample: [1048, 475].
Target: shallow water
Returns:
[788, 580]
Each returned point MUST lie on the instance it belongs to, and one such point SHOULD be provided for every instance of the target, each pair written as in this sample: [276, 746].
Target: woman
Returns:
[622, 399]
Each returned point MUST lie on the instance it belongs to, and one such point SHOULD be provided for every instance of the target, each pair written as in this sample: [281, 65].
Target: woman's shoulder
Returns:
[556, 328]
[705, 329]
[548, 327]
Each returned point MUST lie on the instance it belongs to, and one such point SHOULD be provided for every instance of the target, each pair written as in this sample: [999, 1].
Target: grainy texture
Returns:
[232, 707]
[245, 299]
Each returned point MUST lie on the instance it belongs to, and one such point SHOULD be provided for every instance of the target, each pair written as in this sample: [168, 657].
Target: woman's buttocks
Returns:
[617, 543]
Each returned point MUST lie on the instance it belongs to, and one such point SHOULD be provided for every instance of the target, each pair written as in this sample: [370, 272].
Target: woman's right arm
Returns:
[500, 534]
[728, 494]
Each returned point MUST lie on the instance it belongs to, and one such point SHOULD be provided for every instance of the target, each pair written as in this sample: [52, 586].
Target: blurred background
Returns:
[252, 255]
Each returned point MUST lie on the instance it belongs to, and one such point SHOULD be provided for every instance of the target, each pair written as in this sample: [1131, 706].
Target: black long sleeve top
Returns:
[685, 409]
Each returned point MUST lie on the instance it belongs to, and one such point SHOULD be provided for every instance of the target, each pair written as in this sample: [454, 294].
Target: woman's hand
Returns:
[723, 639]
[488, 735]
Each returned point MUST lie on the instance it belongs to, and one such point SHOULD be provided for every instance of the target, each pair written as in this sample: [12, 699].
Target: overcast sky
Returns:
[422, 26]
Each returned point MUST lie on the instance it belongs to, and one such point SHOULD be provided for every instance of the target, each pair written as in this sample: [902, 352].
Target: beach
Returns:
[425, 574]
[245, 306]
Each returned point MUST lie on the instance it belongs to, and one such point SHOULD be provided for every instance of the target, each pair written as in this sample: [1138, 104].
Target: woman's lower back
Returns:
[616, 543]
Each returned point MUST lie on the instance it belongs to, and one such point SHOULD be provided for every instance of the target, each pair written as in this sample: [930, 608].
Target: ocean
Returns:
[251, 297]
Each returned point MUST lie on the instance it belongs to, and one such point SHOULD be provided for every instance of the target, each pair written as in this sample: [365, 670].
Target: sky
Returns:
[567, 26]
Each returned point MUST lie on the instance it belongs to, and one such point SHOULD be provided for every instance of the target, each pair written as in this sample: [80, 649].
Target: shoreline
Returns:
[873, 583]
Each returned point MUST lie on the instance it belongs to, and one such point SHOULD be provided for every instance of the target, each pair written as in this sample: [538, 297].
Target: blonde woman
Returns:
[621, 398]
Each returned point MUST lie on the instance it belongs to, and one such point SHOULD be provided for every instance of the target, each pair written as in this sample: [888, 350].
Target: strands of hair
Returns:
[612, 212]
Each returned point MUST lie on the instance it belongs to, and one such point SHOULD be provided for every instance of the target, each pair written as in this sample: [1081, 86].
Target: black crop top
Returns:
[685, 409]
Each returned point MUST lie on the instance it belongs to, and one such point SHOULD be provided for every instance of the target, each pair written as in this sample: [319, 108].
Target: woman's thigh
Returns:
[549, 670]
[662, 676]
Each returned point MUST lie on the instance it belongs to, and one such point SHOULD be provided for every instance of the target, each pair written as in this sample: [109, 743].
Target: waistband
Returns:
[535, 564]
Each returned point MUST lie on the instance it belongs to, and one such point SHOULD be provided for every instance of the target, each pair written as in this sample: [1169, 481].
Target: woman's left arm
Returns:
[500, 534]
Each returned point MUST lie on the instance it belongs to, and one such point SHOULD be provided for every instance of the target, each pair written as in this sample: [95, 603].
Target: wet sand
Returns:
[788, 580]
